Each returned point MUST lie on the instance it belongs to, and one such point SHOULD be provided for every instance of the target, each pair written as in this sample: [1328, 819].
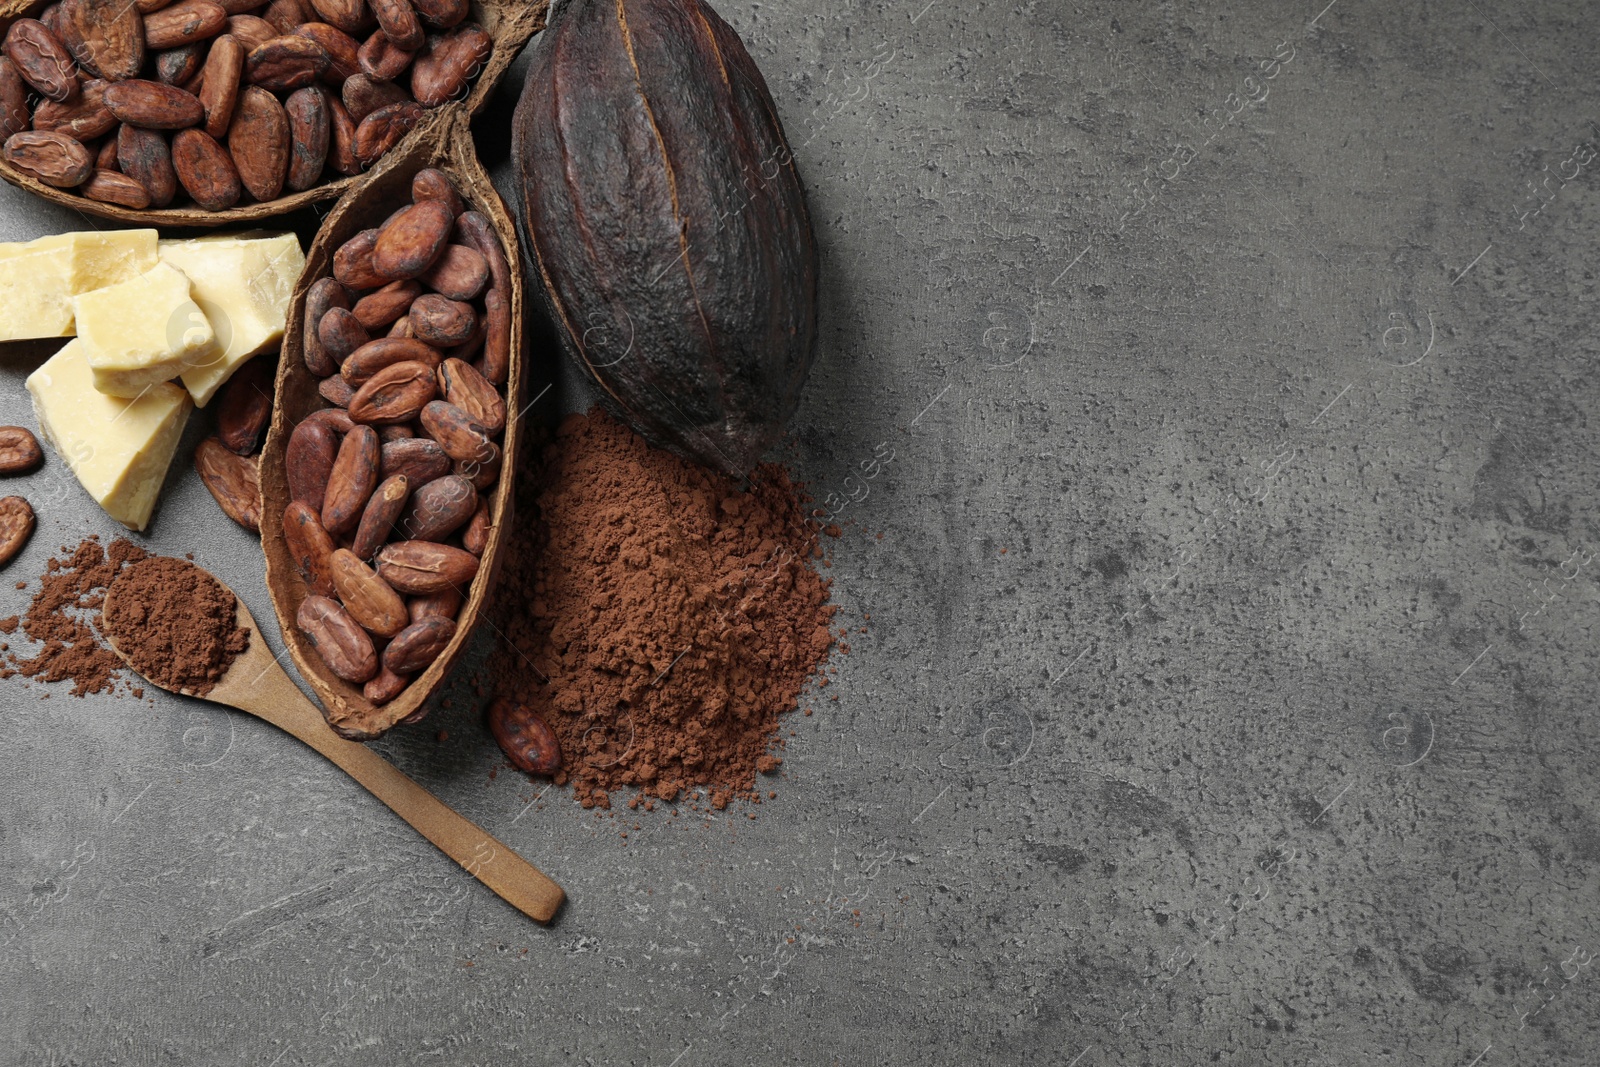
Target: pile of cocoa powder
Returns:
[177, 624]
[659, 617]
[64, 618]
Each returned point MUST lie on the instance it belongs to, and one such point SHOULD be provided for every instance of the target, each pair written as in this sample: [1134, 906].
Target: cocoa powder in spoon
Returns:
[177, 624]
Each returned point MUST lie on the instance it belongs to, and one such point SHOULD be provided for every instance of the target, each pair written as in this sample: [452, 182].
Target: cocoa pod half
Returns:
[668, 223]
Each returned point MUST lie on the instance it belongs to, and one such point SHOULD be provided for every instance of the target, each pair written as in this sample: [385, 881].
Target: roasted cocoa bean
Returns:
[363, 94]
[341, 642]
[460, 273]
[381, 59]
[445, 604]
[308, 136]
[342, 50]
[219, 83]
[365, 362]
[153, 105]
[470, 391]
[244, 406]
[447, 64]
[19, 450]
[377, 310]
[342, 152]
[109, 36]
[13, 99]
[401, 328]
[113, 187]
[442, 322]
[251, 33]
[482, 473]
[336, 419]
[524, 737]
[308, 462]
[412, 241]
[286, 63]
[349, 15]
[397, 431]
[418, 459]
[394, 394]
[439, 509]
[384, 128]
[341, 333]
[324, 295]
[426, 566]
[336, 391]
[309, 546]
[475, 538]
[53, 158]
[106, 157]
[385, 686]
[476, 231]
[41, 59]
[431, 183]
[398, 21]
[258, 140]
[205, 170]
[418, 645]
[82, 118]
[144, 7]
[352, 263]
[145, 157]
[441, 14]
[285, 15]
[232, 480]
[176, 66]
[387, 503]
[351, 481]
[462, 438]
[16, 525]
[182, 23]
[367, 597]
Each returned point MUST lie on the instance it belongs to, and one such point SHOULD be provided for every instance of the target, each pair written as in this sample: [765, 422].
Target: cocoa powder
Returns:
[177, 624]
[660, 619]
[65, 615]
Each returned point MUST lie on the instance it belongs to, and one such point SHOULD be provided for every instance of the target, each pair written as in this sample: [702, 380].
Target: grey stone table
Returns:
[1228, 693]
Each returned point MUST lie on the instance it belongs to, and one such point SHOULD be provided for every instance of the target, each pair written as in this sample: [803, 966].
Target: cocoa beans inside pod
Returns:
[232, 480]
[397, 393]
[426, 567]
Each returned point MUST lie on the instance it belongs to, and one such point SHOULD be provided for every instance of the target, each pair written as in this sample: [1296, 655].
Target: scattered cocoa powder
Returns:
[177, 624]
[65, 614]
[659, 617]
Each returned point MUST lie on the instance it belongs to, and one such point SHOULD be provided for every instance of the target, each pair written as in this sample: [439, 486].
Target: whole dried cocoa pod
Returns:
[475, 538]
[205, 170]
[341, 642]
[82, 118]
[13, 99]
[308, 461]
[442, 322]
[232, 480]
[250, 32]
[309, 134]
[418, 645]
[182, 23]
[398, 21]
[524, 737]
[446, 66]
[352, 263]
[342, 50]
[439, 509]
[111, 36]
[244, 405]
[470, 391]
[367, 597]
[349, 15]
[324, 295]
[286, 63]
[365, 362]
[153, 105]
[410, 242]
[441, 14]
[460, 437]
[176, 66]
[258, 141]
[384, 128]
[668, 223]
[385, 506]
[336, 391]
[426, 566]
[385, 686]
[418, 459]
[340, 333]
[53, 158]
[219, 83]
[145, 157]
[459, 273]
[351, 481]
[394, 394]
[445, 604]
[363, 94]
[19, 450]
[379, 309]
[41, 59]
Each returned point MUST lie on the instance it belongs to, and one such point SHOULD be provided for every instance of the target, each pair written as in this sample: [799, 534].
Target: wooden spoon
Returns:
[256, 684]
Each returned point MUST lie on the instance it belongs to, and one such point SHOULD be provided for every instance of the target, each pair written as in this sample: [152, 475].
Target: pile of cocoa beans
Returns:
[390, 486]
[127, 101]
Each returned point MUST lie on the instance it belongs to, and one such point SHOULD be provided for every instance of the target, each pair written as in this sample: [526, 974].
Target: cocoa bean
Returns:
[442, 14]
[431, 183]
[285, 15]
[176, 66]
[342, 151]
[377, 521]
[16, 525]
[83, 118]
[384, 128]
[482, 472]
[341, 642]
[426, 566]
[441, 321]
[308, 136]
[439, 509]
[401, 328]
[479, 233]
[413, 239]
[385, 686]
[250, 32]
[113, 187]
[496, 337]
[54, 17]
[367, 597]
[351, 481]
[286, 63]
[342, 50]
[341, 333]
[41, 59]
[219, 83]
[397, 431]
[447, 64]
[182, 23]
[244, 406]
[459, 273]
[470, 391]
[324, 295]
[524, 737]
[352, 263]
[336, 419]
[398, 21]
[418, 459]
[205, 170]
[145, 157]
[258, 140]
[144, 7]
[365, 362]
[475, 538]
[363, 94]
[153, 105]
[444, 604]
[379, 309]
[19, 450]
[418, 645]
[13, 99]
[380, 59]
[110, 35]
[462, 438]
[309, 546]
[106, 157]
[394, 394]
[349, 15]
[336, 391]
[232, 480]
[53, 158]
[467, 351]
[308, 462]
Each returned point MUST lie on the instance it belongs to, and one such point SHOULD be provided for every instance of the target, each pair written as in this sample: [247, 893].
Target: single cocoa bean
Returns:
[110, 35]
[413, 239]
[54, 17]
[286, 63]
[418, 645]
[182, 23]
[349, 15]
[232, 480]
[342, 50]
[418, 459]
[113, 187]
[385, 686]
[219, 83]
[380, 59]
[431, 183]
[336, 419]
[13, 99]
[524, 737]
[341, 642]
[446, 66]
[394, 394]
[258, 140]
[53, 158]
[445, 604]
[384, 128]
[324, 295]
[176, 66]
[341, 333]
[426, 566]
[106, 157]
[476, 231]
[145, 157]
[496, 337]
[144, 7]
[205, 170]
[244, 406]
[240, 7]
[353, 266]
[16, 525]
[442, 14]
[442, 322]
[377, 521]
[250, 32]
[367, 597]
[372, 357]
[398, 431]
[353, 478]
[398, 21]
[401, 328]
[342, 152]
[379, 309]
[308, 136]
[458, 434]
[19, 450]
[482, 472]
[439, 509]
[152, 105]
[41, 59]
[475, 538]
[285, 15]
[82, 118]
[460, 273]
[363, 94]
[470, 391]
[308, 462]
[336, 391]
[309, 546]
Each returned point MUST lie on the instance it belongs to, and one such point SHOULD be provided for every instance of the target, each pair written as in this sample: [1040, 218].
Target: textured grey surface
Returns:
[1228, 690]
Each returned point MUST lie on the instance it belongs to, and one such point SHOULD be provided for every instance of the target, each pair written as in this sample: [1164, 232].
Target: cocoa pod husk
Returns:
[145, 156]
[308, 461]
[153, 105]
[110, 37]
[367, 597]
[219, 83]
[205, 170]
[41, 59]
[413, 239]
[475, 538]
[470, 391]
[19, 450]
[351, 480]
[445, 604]
[447, 64]
[384, 128]
[286, 63]
[309, 136]
[258, 141]
[341, 642]
[82, 118]
[418, 645]
[182, 23]
[439, 509]
[426, 566]
[367, 360]
[244, 405]
[16, 526]
[53, 158]
[418, 459]
[233, 480]
[524, 737]
[396, 393]
[460, 273]
[340, 333]
[382, 308]
[462, 438]
[442, 322]
[385, 686]
[324, 295]
[387, 503]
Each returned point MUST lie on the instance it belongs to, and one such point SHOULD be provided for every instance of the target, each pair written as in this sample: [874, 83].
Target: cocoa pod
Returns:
[114, 187]
[110, 35]
[286, 63]
[475, 538]
[349, 15]
[439, 509]
[363, 94]
[431, 183]
[394, 394]
[379, 309]
[445, 604]
[425, 566]
[182, 23]
[384, 128]
[83, 118]
[340, 333]
[442, 322]
[285, 15]
[446, 66]
[342, 50]
[13, 99]
[661, 265]
[524, 737]
[309, 546]
[41, 59]
[153, 105]
[441, 14]
[19, 450]
[145, 157]
[381, 59]
[336, 419]
[461, 438]
[342, 153]
[16, 526]
[418, 459]
[367, 597]
[176, 66]
[496, 336]
[324, 295]
[482, 471]
[219, 83]
[308, 461]
[365, 362]
[352, 263]
[336, 391]
[341, 642]
[377, 521]
[232, 480]
[418, 645]
[351, 481]
[205, 170]
[398, 21]
[308, 136]
[470, 391]
[258, 140]
[459, 273]
[250, 33]
[53, 158]
[410, 243]
[244, 406]
[476, 231]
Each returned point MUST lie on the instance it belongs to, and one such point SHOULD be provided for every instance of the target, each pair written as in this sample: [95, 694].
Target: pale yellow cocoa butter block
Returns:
[143, 331]
[38, 279]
